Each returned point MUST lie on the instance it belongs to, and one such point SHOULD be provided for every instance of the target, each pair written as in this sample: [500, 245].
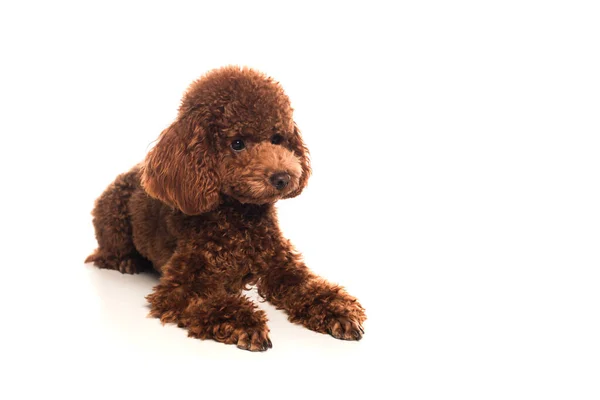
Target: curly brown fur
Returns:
[200, 211]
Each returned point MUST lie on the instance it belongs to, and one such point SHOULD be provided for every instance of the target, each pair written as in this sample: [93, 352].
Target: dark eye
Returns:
[238, 145]
[276, 139]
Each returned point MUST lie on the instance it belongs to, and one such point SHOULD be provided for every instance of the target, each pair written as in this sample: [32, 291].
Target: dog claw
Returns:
[270, 344]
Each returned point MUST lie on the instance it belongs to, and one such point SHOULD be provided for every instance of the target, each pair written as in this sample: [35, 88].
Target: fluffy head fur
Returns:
[193, 164]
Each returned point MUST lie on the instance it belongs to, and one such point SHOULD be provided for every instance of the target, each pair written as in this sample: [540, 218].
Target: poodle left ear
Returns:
[300, 151]
[180, 169]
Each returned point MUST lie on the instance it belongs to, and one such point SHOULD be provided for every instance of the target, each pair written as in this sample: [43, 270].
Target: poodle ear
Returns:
[180, 169]
[301, 152]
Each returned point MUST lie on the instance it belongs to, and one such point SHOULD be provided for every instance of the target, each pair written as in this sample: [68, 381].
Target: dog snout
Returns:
[280, 180]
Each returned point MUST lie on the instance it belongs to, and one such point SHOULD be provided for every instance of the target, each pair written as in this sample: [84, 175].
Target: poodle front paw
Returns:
[252, 337]
[341, 317]
[345, 328]
[345, 321]
[255, 338]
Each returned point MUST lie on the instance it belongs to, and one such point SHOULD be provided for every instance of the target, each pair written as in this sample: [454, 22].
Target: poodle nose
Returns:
[280, 180]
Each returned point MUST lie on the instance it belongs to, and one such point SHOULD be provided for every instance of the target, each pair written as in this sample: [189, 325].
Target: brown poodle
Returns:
[200, 211]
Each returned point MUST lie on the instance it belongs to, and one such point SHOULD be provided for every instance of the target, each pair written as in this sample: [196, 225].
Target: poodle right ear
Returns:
[301, 152]
[180, 169]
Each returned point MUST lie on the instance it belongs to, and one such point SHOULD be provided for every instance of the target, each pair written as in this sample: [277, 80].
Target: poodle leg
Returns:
[226, 317]
[312, 301]
[113, 229]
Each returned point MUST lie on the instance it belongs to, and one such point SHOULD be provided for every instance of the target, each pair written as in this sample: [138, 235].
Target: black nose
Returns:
[280, 180]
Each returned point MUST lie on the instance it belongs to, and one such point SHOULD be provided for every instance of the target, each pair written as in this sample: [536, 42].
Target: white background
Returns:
[455, 193]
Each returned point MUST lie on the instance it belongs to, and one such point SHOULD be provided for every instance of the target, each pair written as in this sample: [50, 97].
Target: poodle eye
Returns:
[276, 139]
[238, 145]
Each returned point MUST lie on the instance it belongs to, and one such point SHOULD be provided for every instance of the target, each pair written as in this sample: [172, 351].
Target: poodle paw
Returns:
[125, 265]
[341, 317]
[128, 266]
[345, 328]
[245, 338]
[344, 318]
[254, 340]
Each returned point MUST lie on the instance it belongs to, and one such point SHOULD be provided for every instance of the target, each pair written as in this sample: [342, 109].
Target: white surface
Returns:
[455, 193]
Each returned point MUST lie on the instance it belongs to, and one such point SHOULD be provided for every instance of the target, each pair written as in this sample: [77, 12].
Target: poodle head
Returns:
[235, 136]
